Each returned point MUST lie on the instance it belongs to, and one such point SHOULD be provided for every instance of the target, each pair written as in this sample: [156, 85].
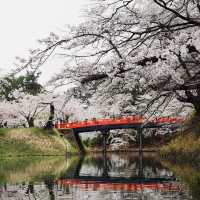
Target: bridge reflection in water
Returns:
[136, 174]
[94, 177]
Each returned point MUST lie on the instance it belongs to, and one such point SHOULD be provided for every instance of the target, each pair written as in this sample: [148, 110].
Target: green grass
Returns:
[183, 148]
[186, 145]
[70, 142]
[30, 142]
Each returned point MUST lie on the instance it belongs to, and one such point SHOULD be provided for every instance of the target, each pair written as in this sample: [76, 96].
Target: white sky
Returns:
[22, 22]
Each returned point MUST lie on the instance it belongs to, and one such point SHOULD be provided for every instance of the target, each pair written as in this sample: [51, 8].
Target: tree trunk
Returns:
[49, 124]
[30, 122]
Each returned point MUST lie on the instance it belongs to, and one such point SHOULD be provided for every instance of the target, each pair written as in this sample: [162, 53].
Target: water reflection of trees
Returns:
[46, 186]
[189, 174]
[50, 186]
[123, 165]
[30, 190]
[29, 169]
[30, 172]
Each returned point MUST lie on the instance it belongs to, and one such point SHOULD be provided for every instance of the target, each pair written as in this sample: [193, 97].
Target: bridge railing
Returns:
[119, 121]
[96, 122]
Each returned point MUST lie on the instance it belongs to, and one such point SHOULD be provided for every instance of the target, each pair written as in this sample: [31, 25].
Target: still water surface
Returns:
[118, 176]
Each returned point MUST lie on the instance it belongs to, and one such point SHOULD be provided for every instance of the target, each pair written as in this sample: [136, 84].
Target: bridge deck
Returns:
[119, 123]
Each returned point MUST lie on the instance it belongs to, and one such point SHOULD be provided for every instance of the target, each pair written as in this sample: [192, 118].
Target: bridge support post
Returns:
[105, 135]
[140, 173]
[105, 166]
[105, 169]
[140, 139]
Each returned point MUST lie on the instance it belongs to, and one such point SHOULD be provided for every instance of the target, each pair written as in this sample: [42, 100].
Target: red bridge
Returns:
[119, 123]
[105, 125]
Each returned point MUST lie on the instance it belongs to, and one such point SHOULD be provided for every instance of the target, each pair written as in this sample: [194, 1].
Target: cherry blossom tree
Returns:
[26, 109]
[147, 51]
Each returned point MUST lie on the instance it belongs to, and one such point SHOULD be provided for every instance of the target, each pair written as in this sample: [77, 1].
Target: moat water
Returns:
[127, 176]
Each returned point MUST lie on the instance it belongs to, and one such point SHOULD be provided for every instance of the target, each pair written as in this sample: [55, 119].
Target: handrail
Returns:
[119, 121]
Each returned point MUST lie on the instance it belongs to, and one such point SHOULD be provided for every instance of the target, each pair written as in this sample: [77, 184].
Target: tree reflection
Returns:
[116, 176]
[30, 190]
[50, 186]
[189, 174]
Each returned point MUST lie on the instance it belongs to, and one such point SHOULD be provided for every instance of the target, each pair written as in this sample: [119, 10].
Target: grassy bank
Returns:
[183, 148]
[30, 142]
[186, 145]
[69, 141]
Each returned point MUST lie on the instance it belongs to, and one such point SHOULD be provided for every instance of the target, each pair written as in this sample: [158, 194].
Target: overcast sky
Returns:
[24, 21]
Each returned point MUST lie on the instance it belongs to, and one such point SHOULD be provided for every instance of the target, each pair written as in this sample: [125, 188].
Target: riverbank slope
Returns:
[31, 142]
[186, 144]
